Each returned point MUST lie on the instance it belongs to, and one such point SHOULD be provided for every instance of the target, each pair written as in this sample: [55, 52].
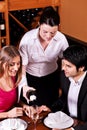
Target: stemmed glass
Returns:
[34, 114]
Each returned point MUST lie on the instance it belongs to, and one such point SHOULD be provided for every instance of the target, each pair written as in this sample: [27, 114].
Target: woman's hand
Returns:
[56, 129]
[27, 109]
[15, 112]
[30, 109]
[68, 129]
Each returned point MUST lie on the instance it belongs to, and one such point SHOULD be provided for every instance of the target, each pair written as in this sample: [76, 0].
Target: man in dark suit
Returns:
[73, 100]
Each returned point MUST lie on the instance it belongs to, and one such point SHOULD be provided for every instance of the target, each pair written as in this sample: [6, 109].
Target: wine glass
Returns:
[34, 114]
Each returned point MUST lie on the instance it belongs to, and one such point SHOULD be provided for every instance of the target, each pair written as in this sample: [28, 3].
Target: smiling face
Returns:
[47, 32]
[70, 70]
[14, 66]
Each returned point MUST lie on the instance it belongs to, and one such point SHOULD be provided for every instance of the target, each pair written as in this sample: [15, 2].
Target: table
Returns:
[40, 125]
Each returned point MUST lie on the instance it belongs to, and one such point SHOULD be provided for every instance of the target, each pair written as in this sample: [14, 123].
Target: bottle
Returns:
[3, 42]
[31, 95]
[2, 25]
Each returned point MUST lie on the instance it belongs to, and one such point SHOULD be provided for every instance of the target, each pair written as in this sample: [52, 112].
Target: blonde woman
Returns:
[10, 76]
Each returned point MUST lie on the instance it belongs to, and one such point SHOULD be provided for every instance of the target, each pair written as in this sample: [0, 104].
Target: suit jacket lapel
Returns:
[83, 91]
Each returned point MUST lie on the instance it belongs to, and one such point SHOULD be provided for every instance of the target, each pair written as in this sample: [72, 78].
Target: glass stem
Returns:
[34, 125]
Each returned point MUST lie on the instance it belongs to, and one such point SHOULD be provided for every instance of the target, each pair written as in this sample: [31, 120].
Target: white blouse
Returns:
[41, 62]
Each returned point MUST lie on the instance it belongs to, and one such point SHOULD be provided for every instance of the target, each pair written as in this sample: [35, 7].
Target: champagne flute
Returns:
[34, 115]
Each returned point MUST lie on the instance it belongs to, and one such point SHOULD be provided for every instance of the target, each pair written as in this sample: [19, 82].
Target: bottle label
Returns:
[2, 27]
[32, 97]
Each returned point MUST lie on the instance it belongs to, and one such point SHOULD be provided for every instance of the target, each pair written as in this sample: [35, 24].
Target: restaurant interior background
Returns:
[74, 20]
[72, 13]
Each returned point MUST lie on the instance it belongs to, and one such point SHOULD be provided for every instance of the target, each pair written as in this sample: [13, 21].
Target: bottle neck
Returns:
[32, 103]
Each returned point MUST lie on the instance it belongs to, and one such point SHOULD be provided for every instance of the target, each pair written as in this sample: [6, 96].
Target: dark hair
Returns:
[77, 55]
[50, 16]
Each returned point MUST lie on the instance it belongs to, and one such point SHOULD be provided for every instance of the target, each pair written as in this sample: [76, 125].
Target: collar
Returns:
[35, 34]
[79, 82]
[56, 37]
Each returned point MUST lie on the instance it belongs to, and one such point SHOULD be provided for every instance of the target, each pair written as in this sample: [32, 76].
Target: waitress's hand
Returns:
[25, 90]
[15, 112]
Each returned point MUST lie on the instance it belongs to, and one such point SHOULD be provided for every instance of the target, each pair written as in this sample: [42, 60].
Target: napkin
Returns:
[13, 123]
[58, 120]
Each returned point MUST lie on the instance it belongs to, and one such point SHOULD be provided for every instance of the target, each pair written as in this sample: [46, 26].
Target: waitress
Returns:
[40, 49]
